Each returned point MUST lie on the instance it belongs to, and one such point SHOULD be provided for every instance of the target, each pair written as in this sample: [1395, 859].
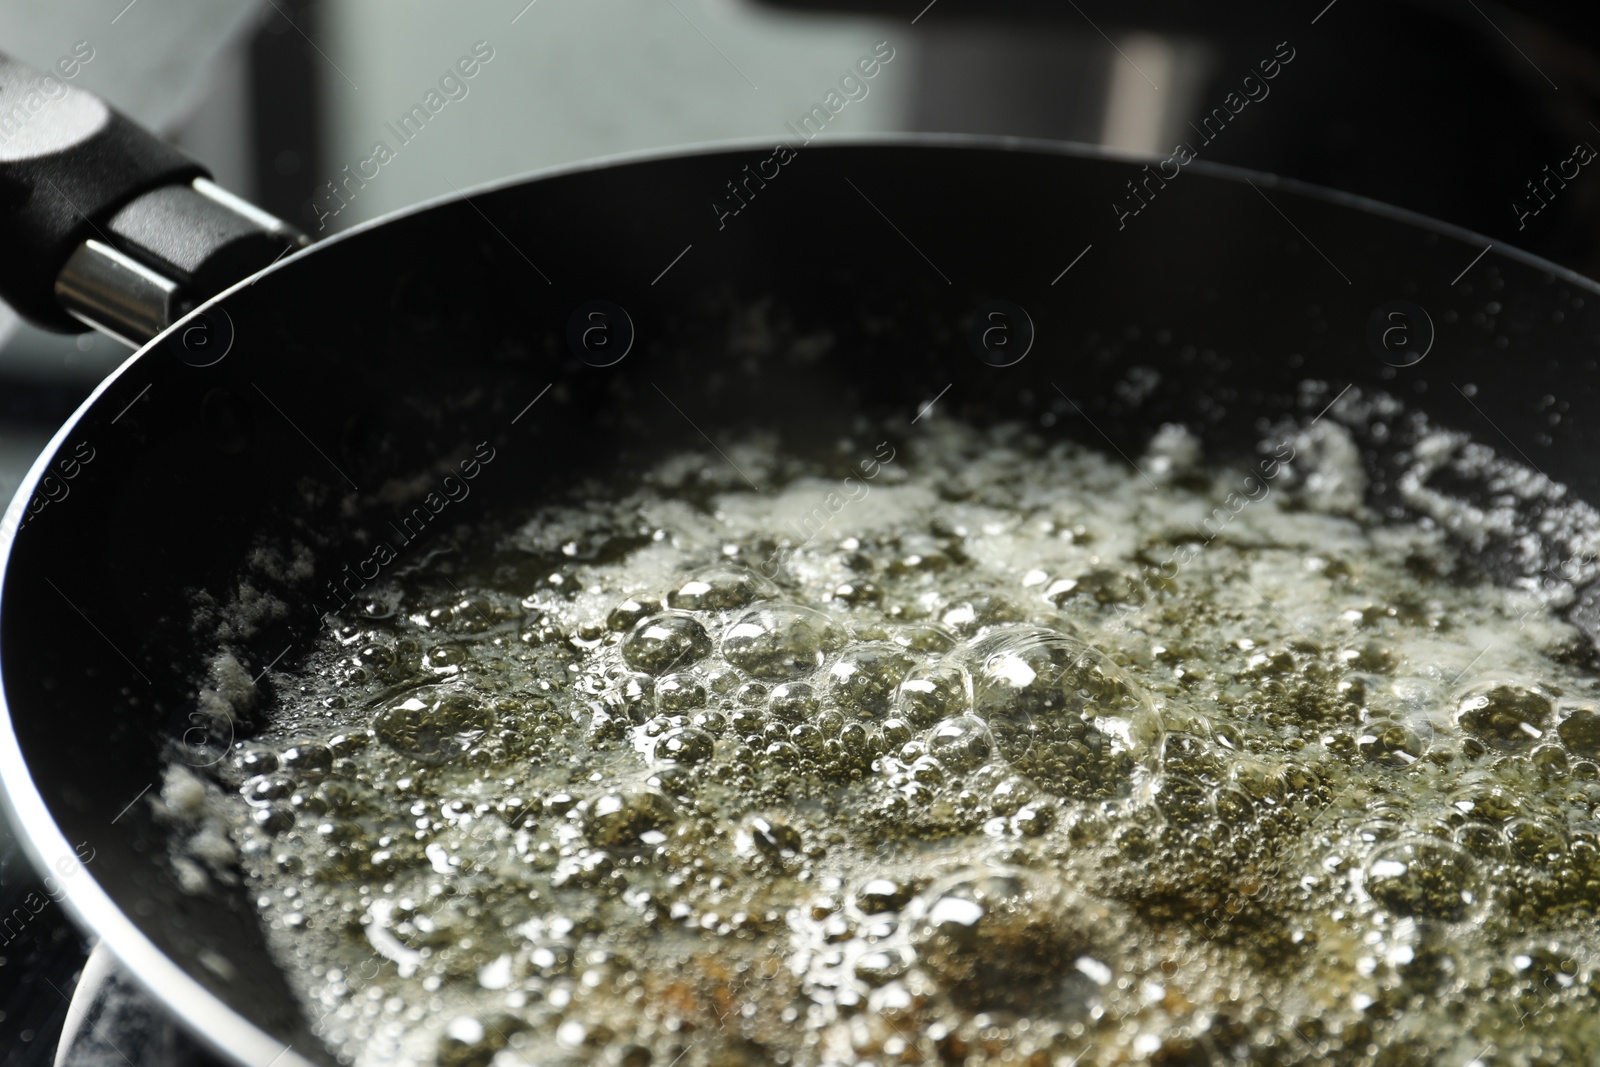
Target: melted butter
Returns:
[1003, 754]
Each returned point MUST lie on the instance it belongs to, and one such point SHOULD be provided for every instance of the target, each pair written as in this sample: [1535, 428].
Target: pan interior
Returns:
[356, 379]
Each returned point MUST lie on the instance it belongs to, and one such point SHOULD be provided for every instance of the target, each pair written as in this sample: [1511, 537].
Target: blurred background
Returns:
[1460, 109]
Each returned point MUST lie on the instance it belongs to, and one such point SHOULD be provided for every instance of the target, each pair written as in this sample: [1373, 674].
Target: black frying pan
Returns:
[270, 416]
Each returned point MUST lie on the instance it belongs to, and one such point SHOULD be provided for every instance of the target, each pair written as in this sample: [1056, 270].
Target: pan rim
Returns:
[987, 142]
[202, 1013]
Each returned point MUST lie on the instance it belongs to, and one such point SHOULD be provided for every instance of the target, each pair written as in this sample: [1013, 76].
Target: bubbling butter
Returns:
[1015, 760]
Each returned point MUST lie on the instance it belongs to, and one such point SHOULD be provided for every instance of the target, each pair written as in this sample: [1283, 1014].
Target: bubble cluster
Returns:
[971, 779]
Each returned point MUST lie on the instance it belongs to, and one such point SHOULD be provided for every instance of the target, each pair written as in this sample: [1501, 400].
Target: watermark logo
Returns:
[1400, 333]
[207, 339]
[1000, 333]
[600, 333]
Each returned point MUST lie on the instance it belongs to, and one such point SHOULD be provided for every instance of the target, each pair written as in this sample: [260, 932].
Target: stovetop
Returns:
[41, 952]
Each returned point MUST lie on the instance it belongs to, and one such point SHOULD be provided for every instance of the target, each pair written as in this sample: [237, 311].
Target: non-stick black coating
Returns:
[404, 345]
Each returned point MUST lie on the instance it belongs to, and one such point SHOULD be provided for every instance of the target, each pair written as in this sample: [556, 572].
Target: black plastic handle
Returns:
[103, 224]
[67, 163]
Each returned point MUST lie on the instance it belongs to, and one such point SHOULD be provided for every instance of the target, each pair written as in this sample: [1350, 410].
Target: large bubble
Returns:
[616, 819]
[1506, 716]
[863, 680]
[1424, 877]
[962, 743]
[1061, 711]
[934, 691]
[719, 587]
[664, 642]
[1580, 732]
[781, 641]
[1002, 938]
[433, 725]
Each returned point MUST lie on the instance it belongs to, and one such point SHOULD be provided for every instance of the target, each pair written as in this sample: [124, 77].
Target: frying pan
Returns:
[587, 313]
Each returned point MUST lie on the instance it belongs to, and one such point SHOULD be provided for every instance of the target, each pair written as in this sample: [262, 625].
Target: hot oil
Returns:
[1006, 751]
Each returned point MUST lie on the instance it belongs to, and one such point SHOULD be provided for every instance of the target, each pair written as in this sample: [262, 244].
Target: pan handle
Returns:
[105, 225]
